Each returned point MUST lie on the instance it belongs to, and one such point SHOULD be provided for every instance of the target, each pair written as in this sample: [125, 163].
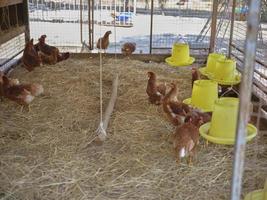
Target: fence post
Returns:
[89, 23]
[213, 25]
[81, 21]
[26, 20]
[245, 96]
[135, 5]
[151, 26]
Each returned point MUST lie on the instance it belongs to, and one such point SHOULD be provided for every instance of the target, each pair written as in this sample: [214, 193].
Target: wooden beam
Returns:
[109, 108]
[141, 57]
[111, 102]
[4, 3]
[11, 33]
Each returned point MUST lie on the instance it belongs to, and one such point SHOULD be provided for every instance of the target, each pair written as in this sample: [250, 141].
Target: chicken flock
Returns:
[35, 55]
[127, 48]
[186, 119]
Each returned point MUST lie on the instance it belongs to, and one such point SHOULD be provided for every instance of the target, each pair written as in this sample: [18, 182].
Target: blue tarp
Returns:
[124, 16]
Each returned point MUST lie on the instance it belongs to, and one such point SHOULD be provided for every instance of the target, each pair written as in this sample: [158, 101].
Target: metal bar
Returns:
[26, 20]
[193, 48]
[261, 86]
[213, 25]
[222, 17]
[81, 21]
[86, 46]
[93, 22]
[245, 96]
[11, 58]
[124, 21]
[135, 5]
[256, 60]
[151, 26]
[231, 29]
[89, 24]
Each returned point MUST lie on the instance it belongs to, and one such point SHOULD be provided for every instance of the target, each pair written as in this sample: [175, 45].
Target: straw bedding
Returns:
[48, 153]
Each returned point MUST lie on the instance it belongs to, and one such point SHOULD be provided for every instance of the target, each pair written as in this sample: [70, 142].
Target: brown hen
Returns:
[30, 58]
[186, 139]
[50, 54]
[16, 93]
[128, 48]
[175, 110]
[195, 75]
[103, 42]
[155, 91]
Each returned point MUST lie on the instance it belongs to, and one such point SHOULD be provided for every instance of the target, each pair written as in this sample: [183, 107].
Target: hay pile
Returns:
[46, 153]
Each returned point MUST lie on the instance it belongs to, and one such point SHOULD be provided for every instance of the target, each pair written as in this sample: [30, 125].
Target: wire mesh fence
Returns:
[12, 38]
[237, 44]
[130, 19]
[187, 19]
[10, 51]
[59, 20]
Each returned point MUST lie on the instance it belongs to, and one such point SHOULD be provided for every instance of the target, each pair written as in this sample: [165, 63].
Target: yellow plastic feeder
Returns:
[222, 128]
[204, 94]
[180, 55]
[225, 72]
[211, 63]
[258, 194]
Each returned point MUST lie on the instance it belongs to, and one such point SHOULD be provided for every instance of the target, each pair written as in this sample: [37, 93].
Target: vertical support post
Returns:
[124, 10]
[151, 26]
[245, 96]
[135, 5]
[81, 21]
[89, 24]
[26, 20]
[231, 29]
[93, 21]
[213, 25]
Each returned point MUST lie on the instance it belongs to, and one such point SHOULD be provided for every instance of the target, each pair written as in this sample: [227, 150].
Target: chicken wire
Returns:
[236, 49]
[131, 18]
[10, 51]
[238, 41]
[10, 27]
[189, 20]
[117, 16]
[59, 20]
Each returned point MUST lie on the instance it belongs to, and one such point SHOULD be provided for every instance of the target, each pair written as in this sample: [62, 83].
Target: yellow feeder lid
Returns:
[180, 56]
[204, 94]
[211, 63]
[222, 128]
[258, 194]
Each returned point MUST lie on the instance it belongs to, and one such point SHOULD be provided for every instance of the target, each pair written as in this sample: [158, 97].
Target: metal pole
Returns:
[135, 5]
[151, 26]
[231, 29]
[26, 18]
[245, 96]
[81, 21]
[89, 24]
[93, 22]
[213, 25]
